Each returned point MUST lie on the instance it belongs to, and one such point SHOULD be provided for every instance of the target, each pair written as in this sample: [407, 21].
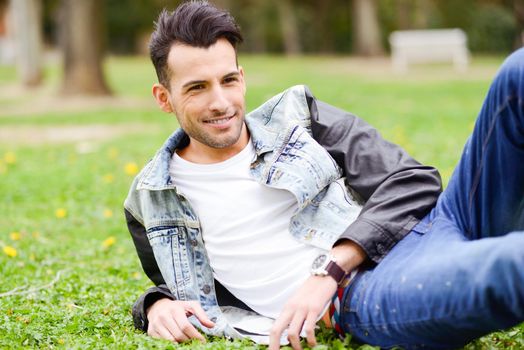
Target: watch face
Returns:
[319, 262]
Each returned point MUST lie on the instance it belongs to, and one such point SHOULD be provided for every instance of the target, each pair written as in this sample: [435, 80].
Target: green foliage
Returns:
[493, 29]
[127, 20]
[64, 201]
[323, 26]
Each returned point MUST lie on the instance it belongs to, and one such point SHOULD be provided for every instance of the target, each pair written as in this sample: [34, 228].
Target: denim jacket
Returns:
[287, 158]
[306, 147]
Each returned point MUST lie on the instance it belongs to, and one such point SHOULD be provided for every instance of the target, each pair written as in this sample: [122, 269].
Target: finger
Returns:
[186, 327]
[170, 324]
[162, 333]
[200, 314]
[294, 330]
[152, 333]
[178, 335]
[280, 324]
[309, 327]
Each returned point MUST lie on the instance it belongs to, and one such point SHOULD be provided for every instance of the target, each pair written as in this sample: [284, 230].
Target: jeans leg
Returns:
[438, 290]
[485, 195]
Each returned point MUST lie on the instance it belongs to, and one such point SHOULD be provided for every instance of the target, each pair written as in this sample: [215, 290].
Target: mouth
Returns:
[219, 121]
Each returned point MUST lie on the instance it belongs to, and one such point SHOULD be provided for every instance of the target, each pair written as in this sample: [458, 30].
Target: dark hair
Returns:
[195, 23]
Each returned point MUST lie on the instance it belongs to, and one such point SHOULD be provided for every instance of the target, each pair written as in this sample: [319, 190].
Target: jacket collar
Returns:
[268, 126]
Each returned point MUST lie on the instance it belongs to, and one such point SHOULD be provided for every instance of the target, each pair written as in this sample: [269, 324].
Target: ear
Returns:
[241, 71]
[162, 97]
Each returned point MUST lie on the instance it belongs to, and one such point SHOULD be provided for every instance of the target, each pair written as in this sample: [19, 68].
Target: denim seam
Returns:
[476, 179]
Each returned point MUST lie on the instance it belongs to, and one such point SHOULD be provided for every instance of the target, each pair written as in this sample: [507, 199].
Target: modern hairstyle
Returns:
[195, 23]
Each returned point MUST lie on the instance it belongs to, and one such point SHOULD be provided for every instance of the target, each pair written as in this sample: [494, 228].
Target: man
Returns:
[257, 226]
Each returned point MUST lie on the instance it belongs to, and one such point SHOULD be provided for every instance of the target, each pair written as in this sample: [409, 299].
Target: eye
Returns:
[196, 87]
[230, 79]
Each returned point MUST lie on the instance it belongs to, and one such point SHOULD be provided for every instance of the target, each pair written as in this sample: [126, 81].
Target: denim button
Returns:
[206, 289]
[194, 242]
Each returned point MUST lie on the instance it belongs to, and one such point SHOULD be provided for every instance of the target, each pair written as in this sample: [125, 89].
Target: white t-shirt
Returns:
[245, 230]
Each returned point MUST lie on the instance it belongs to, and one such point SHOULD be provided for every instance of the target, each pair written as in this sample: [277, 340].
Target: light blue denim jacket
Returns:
[287, 158]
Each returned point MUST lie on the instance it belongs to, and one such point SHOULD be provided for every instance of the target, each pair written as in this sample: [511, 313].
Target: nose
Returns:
[218, 100]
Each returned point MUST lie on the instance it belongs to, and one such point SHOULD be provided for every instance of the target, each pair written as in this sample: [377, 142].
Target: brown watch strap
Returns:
[335, 271]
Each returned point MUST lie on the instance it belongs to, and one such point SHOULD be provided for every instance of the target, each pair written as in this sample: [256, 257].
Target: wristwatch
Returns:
[325, 264]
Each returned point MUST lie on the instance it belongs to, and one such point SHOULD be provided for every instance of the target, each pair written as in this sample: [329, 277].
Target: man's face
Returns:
[207, 95]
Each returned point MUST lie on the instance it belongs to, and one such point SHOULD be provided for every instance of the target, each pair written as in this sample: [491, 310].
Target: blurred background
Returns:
[78, 122]
[85, 31]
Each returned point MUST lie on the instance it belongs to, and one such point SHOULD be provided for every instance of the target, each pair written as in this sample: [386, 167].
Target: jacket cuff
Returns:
[373, 239]
[147, 299]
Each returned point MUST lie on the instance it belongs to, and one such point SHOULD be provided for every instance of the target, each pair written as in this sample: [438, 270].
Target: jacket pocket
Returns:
[169, 248]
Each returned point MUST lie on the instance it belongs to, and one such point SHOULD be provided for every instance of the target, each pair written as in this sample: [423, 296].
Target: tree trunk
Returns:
[289, 27]
[256, 34]
[422, 14]
[403, 10]
[82, 39]
[28, 32]
[519, 16]
[324, 32]
[3, 11]
[367, 28]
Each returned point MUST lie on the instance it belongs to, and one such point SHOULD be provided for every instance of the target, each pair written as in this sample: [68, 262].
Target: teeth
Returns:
[218, 121]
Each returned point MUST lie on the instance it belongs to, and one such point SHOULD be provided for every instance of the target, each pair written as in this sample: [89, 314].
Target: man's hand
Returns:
[302, 310]
[304, 307]
[168, 319]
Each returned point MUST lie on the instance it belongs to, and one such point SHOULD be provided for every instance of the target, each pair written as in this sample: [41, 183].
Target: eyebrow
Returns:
[196, 82]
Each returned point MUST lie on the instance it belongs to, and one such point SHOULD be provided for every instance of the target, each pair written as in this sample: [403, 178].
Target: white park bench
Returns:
[426, 46]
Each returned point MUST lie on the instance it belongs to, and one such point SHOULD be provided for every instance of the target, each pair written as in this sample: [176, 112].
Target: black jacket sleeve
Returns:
[160, 291]
[397, 190]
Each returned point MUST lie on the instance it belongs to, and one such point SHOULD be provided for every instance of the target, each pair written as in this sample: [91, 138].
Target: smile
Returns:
[219, 121]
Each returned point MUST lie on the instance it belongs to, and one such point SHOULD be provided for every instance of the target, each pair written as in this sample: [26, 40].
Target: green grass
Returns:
[88, 253]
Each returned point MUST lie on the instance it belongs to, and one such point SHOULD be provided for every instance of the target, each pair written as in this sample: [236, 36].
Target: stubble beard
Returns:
[218, 141]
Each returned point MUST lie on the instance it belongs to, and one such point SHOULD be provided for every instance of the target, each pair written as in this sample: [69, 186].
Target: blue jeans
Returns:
[459, 274]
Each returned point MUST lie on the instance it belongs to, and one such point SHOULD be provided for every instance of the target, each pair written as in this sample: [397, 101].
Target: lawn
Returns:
[69, 270]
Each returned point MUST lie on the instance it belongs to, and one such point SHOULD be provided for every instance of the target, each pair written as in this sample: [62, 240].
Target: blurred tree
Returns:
[3, 11]
[128, 31]
[367, 31]
[422, 14]
[493, 28]
[518, 6]
[288, 26]
[255, 31]
[28, 32]
[403, 10]
[223, 4]
[81, 39]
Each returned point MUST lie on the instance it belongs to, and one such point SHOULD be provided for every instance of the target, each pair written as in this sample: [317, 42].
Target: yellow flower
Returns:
[136, 275]
[112, 153]
[108, 242]
[108, 213]
[15, 236]
[10, 158]
[10, 251]
[131, 168]
[36, 234]
[61, 341]
[60, 213]
[108, 178]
